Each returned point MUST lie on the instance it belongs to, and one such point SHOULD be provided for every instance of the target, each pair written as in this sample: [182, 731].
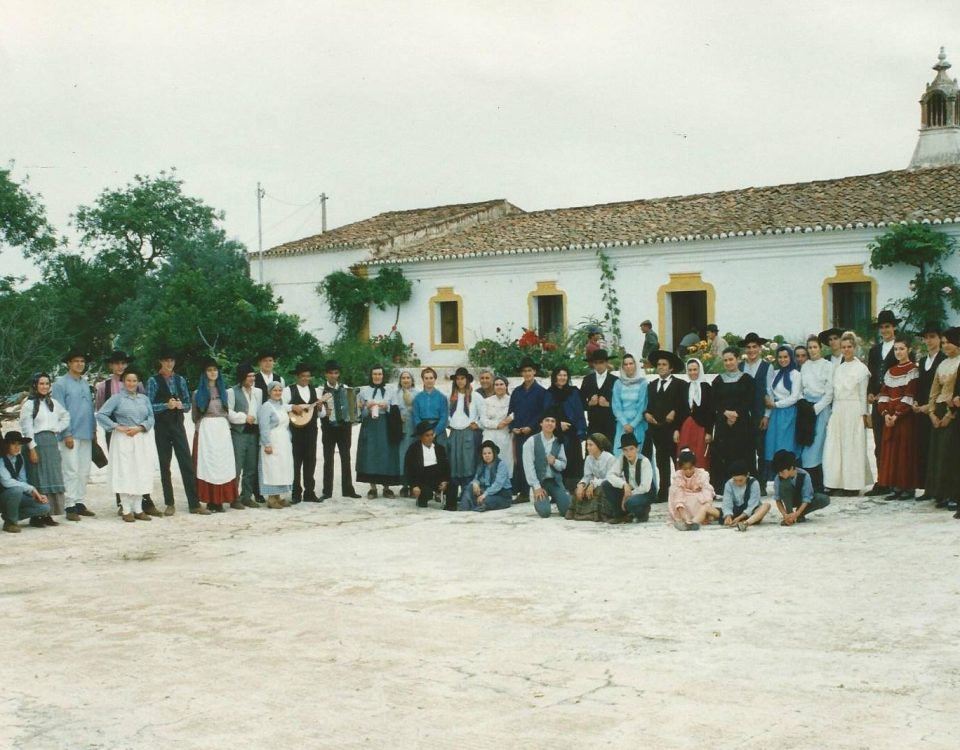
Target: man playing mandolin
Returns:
[304, 399]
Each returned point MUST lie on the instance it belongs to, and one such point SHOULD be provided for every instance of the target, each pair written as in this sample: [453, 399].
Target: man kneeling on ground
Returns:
[629, 488]
[543, 463]
[741, 506]
[427, 467]
[793, 490]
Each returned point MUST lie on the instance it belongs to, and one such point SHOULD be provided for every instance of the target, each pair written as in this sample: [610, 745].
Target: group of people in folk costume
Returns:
[605, 451]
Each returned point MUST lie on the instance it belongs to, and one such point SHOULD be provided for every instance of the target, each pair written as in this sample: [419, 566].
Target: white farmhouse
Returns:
[788, 259]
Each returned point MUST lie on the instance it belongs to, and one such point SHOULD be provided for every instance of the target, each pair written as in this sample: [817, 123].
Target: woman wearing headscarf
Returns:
[814, 409]
[133, 454]
[732, 393]
[377, 460]
[464, 423]
[42, 419]
[629, 402]
[276, 448]
[845, 464]
[490, 488]
[943, 468]
[696, 431]
[495, 419]
[564, 398]
[783, 392]
[403, 398]
[213, 458]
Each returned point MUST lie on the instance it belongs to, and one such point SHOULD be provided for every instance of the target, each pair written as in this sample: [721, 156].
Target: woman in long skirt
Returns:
[564, 398]
[133, 454]
[464, 423]
[845, 463]
[943, 466]
[816, 388]
[276, 448]
[898, 467]
[629, 402]
[377, 460]
[495, 419]
[213, 458]
[403, 399]
[42, 418]
[696, 432]
[732, 393]
[783, 393]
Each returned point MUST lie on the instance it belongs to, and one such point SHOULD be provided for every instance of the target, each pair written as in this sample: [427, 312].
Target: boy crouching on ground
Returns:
[741, 507]
[793, 490]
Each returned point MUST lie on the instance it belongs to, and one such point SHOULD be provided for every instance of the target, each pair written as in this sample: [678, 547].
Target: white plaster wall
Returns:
[294, 278]
[771, 284]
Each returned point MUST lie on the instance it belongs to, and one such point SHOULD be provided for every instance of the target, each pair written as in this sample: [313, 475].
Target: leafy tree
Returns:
[349, 297]
[932, 288]
[23, 218]
[135, 226]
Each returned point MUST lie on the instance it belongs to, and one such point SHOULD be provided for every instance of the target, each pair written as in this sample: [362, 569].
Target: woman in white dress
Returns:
[276, 448]
[133, 455]
[816, 379]
[213, 456]
[845, 463]
[403, 400]
[495, 419]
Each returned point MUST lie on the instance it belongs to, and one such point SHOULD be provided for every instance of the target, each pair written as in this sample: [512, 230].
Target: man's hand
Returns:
[728, 521]
[251, 419]
[34, 456]
[38, 497]
[627, 429]
[443, 486]
[650, 419]
[871, 398]
[670, 417]
[604, 402]
[539, 493]
[526, 430]
[676, 436]
[594, 400]
[565, 426]
[476, 489]
[551, 459]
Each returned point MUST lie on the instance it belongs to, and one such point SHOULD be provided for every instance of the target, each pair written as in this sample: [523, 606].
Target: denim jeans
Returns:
[18, 504]
[555, 492]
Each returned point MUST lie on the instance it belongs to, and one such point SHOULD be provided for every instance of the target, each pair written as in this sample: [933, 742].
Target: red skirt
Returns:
[216, 494]
[694, 437]
[898, 466]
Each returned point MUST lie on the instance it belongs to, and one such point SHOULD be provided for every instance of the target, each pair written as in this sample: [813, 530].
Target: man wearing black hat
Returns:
[118, 361]
[597, 394]
[76, 446]
[336, 431]
[302, 394]
[426, 466]
[527, 403]
[18, 498]
[243, 402]
[880, 359]
[830, 341]
[928, 370]
[266, 361]
[543, 462]
[757, 368]
[666, 410]
[716, 341]
[629, 488]
[170, 397]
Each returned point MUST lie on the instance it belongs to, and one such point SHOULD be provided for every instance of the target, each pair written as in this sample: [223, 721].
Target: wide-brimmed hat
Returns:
[331, 365]
[952, 335]
[302, 367]
[264, 353]
[628, 439]
[425, 426]
[209, 362]
[753, 338]
[118, 355]
[167, 353]
[466, 373]
[825, 336]
[931, 326]
[887, 316]
[712, 327]
[676, 364]
[550, 412]
[738, 467]
[244, 369]
[598, 355]
[13, 436]
[492, 445]
[525, 363]
[73, 353]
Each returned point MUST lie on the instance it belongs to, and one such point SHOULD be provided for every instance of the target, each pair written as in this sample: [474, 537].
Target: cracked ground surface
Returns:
[369, 624]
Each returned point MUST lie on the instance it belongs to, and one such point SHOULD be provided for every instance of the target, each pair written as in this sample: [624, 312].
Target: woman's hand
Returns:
[565, 426]
[676, 436]
[268, 450]
[34, 456]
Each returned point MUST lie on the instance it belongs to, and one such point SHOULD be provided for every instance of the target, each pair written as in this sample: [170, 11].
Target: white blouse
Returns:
[46, 421]
[782, 398]
[816, 379]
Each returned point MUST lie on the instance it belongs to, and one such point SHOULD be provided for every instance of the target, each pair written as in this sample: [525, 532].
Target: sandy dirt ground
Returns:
[371, 624]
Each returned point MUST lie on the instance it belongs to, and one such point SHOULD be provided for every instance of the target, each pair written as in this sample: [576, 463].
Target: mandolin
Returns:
[303, 418]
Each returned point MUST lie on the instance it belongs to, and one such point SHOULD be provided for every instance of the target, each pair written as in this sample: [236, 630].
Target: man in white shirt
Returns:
[880, 358]
[426, 466]
[543, 463]
[266, 361]
[243, 402]
[304, 437]
[629, 489]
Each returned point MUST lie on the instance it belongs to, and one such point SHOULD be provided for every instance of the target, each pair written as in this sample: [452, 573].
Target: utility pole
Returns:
[323, 212]
[260, 193]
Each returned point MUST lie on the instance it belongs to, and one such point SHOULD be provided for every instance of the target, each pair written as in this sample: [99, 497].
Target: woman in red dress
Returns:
[899, 469]
[696, 430]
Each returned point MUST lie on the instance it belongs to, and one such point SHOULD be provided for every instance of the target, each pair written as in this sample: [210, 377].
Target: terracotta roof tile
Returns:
[869, 200]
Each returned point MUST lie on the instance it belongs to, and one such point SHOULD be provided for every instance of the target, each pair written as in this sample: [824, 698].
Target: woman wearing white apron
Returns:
[133, 454]
[213, 459]
[276, 448]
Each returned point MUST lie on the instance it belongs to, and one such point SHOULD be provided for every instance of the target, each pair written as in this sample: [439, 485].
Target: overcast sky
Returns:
[393, 105]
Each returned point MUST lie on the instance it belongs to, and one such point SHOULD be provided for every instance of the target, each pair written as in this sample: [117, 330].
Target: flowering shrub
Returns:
[503, 353]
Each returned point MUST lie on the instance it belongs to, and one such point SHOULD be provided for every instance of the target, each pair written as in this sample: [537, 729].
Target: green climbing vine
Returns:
[611, 303]
[349, 296]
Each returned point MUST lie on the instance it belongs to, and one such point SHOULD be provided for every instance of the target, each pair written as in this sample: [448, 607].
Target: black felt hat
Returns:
[13, 436]
[331, 365]
[118, 355]
[466, 373]
[887, 316]
[676, 364]
[244, 369]
[753, 338]
[264, 353]
[491, 445]
[931, 326]
[598, 355]
[166, 353]
[712, 327]
[825, 336]
[302, 367]
[73, 353]
[628, 439]
[425, 426]
[525, 363]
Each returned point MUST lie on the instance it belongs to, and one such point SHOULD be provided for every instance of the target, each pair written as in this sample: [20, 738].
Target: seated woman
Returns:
[696, 430]
[133, 454]
[276, 448]
[490, 488]
[629, 402]
[691, 495]
[587, 502]
[780, 419]
[742, 506]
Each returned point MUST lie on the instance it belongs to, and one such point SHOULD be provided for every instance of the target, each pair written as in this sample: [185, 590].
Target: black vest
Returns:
[14, 465]
[295, 398]
[169, 416]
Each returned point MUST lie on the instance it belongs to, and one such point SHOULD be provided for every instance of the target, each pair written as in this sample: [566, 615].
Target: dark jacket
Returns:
[759, 405]
[878, 367]
[702, 413]
[599, 418]
[413, 464]
[672, 399]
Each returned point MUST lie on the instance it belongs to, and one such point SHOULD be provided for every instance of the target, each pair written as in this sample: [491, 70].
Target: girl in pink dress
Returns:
[691, 495]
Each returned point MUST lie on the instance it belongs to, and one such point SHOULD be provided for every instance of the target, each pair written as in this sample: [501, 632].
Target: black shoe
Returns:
[37, 522]
[941, 504]
[215, 508]
[893, 496]
[311, 497]
[48, 521]
[876, 490]
[644, 515]
[421, 502]
[521, 498]
[295, 500]
[924, 496]
[261, 499]
[325, 496]
[353, 495]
